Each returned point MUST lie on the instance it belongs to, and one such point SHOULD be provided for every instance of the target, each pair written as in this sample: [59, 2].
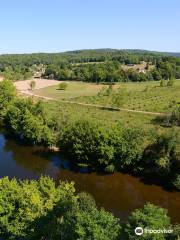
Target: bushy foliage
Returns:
[23, 202]
[171, 119]
[18, 72]
[7, 95]
[85, 221]
[112, 71]
[63, 86]
[42, 210]
[86, 142]
[150, 217]
[128, 145]
[95, 224]
[62, 71]
[29, 121]
[162, 157]
[176, 182]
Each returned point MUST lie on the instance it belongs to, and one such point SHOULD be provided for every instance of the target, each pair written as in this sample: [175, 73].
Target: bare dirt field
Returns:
[40, 83]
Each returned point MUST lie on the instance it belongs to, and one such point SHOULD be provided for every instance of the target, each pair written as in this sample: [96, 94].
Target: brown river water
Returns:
[118, 193]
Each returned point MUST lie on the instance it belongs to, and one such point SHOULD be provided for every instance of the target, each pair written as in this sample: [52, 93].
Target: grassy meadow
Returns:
[74, 89]
[146, 96]
[73, 112]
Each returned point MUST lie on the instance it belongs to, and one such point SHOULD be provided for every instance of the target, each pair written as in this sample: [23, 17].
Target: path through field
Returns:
[23, 88]
[28, 93]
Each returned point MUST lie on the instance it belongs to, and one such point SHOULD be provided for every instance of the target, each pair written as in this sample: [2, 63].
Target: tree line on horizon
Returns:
[113, 72]
[105, 66]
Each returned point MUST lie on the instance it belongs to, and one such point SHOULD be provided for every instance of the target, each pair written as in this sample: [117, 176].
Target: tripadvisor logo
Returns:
[140, 231]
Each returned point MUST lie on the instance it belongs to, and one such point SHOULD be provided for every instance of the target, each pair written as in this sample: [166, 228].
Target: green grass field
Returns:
[146, 96]
[142, 96]
[74, 89]
[72, 112]
[66, 113]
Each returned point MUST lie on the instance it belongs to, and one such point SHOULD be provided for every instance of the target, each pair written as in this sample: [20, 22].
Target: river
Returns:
[118, 193]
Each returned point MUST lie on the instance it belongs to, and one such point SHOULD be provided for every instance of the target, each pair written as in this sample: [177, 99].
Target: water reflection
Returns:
[118, 192]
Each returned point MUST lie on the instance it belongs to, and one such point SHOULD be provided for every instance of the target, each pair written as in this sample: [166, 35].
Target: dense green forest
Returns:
[101, 55]
[41, 209]
[105, 65]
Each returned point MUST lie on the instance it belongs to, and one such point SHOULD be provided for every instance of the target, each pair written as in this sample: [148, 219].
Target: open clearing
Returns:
[80, 89]
[146, 96]
[74, 89]
[66, 112]
[138, 67]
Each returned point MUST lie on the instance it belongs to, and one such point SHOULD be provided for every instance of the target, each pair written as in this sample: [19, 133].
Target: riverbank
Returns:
[118, 193]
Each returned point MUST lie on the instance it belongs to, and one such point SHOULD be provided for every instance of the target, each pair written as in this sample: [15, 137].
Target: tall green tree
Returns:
[7, 95]
[42, 209]
[150, 217]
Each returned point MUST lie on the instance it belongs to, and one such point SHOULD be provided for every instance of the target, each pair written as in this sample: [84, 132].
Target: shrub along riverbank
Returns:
[42, 209]
[85, 142]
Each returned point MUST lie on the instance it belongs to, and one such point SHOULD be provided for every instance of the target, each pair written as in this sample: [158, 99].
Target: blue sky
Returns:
[60, 25]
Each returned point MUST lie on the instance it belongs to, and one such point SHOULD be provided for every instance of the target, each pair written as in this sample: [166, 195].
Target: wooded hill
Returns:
[82, 65]
[94, 55]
